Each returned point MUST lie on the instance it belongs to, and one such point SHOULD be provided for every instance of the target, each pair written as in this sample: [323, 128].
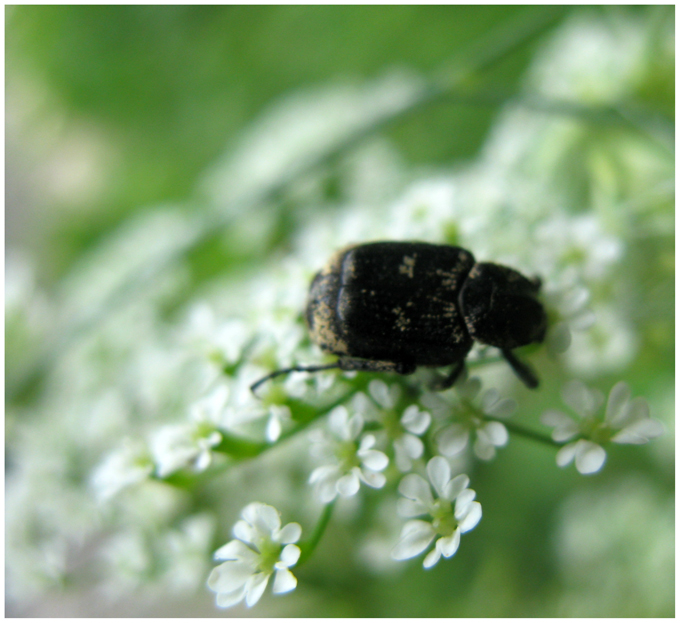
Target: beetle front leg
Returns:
[370, 365]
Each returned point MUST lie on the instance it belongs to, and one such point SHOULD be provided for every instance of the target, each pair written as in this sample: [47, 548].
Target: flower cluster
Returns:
[624, 421]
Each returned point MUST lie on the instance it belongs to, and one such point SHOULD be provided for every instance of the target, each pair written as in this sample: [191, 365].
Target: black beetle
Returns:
[394, 306]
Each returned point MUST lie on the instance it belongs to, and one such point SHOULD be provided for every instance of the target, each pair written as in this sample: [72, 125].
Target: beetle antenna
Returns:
[522, 370]
[276, 373]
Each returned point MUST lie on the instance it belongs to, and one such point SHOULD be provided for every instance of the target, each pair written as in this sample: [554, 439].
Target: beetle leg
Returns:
[370, 365]
[522, 370]
[450, 379]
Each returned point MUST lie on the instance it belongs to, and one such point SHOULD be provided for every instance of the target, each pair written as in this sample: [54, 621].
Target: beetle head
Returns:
[501, 308]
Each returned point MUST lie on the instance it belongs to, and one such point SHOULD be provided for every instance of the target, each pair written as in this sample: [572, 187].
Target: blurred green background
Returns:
[135, 103]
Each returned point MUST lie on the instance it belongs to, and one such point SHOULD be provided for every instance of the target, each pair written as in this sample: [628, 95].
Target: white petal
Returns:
[439, 473]
[432, 558]
[385, 396]
[255, 588]
[235, 550]
[203, 461]
[290, 533]
[367, 442]
[348, 485]
[410, 508]
[453, 439]
[456, 486]
[553, 417]
[639, 432]
[565, 454]
[355, 424]
[416, 488]
[373, 479]
[284, 581]
[327, 491]
[244, 531]
[273, 431]
[463, 502]
[226, 600]
[415, 421]
[497, 433]
[589, 457]
[289, 556]
[268, 519]
[338, 423]
[583, 400]
[618, 398]
[374, 459]
[503, 408]
[229, 576]
[324, 473]
[412, 446]
[482, 448]
[472, 518]
[448, 545]
[416, 536]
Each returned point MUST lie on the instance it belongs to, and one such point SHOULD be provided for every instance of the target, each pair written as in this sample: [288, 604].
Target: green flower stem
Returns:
[307, 547]
[520, 430]
[239, 449]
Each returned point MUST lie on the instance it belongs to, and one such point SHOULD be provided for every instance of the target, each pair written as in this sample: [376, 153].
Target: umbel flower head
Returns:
[347, 463]
[447, 521]
[454, 438]
[261, 548]
[624, 421]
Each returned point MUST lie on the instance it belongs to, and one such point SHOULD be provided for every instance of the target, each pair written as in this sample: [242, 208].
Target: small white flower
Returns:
[244, 407]
[403, 431]
[347, 463]
[190, 445]
[261, 548]
[569, 301]
[454, 438]
[624, 421]
[447, 521]
[126, 466]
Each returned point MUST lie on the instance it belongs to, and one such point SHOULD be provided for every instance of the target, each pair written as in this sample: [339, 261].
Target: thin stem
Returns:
[243, 449]
[310, 544]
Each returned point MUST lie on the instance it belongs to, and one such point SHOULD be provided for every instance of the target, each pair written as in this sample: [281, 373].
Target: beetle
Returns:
[395, 306]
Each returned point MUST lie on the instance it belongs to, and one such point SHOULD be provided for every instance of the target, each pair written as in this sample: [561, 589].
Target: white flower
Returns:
[404, 431]
[347, 463]
[570, 303]
[261, 548]
[190, 445]
[624, 421]
[454, 438]
[447, 522]
[222, 342]
[126, 466]
[244, 407]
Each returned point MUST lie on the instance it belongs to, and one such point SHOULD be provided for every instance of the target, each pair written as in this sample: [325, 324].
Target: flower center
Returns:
[443, 520]
[346, 452]
[270, 553]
